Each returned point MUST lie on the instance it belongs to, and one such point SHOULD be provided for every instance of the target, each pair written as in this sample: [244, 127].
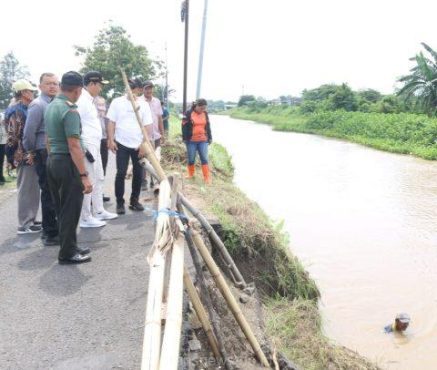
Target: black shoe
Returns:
[51, 241]
[135, 205]
[106, 199]
[83, 250]
[74, 260]
[120, 209]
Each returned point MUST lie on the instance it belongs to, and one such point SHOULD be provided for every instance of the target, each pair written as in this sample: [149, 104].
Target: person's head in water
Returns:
[401, 322]
[199, 105]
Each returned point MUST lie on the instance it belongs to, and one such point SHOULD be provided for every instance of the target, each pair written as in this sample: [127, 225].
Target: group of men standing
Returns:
[59, 143]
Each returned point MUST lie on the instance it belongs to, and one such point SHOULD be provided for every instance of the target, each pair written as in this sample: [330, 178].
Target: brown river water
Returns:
[363, 222]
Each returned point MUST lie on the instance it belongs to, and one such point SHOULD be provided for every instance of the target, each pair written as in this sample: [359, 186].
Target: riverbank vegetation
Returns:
[261, 251]
[404, 133]
[404, 122]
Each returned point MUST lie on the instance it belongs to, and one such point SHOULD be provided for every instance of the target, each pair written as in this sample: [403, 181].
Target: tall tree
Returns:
[369, 95]
[10, 71]
[113, 49]
[245, 99]
[421, 83]
[343, 98]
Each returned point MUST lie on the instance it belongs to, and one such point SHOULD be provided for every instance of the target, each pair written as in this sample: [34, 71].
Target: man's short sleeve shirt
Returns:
[156, 110]
[127, 131]
[62, 122]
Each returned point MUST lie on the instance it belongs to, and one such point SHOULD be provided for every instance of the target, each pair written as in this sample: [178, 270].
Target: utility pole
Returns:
[165, 98]
[202, 49]
[185, 12]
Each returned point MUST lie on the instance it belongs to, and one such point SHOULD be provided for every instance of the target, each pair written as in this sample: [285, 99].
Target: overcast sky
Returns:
[265, 48]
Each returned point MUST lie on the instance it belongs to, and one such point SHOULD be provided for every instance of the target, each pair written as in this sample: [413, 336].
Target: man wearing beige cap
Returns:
[27, 178]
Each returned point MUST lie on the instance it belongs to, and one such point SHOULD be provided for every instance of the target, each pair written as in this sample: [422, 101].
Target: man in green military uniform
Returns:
[67, 177]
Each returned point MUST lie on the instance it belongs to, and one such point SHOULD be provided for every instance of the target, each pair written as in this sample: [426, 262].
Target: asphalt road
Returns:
[89, 316]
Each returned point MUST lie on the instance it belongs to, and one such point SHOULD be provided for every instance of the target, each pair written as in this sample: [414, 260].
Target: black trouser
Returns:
[66, 188]
[2, 159]
[122, 158]
[104, 154]
[49, 222]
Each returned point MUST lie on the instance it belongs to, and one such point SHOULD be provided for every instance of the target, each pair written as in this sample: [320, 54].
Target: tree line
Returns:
[112, 48]
[417, 94]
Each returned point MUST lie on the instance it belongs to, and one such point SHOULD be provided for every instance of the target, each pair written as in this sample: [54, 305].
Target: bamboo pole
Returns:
[174, 184]
[152, 327]
[148, 148]
[205, 293]
[227, 294]
[230, 264]
[201, 313]
[172, 333]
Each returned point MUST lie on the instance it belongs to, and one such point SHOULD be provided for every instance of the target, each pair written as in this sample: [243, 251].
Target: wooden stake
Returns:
[173, 324]
[152, 327]
[205, 294]
[163, 241]
[230, 264]
[227, 295]
[201, 313]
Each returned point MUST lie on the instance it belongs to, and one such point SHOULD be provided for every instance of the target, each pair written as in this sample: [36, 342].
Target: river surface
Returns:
[363, 222]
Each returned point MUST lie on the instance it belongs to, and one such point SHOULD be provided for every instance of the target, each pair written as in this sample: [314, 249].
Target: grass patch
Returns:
[296, 328]
[403, 133]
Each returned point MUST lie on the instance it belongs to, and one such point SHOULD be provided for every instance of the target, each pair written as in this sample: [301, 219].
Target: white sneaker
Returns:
[91, 222]
[32, 229]
[105, 215]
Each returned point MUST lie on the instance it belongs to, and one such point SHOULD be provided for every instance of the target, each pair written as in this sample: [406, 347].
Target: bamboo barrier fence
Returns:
[166, 259]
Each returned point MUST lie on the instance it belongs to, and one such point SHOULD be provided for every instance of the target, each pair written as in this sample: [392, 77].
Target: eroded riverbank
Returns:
[362, 221]
[260, 250]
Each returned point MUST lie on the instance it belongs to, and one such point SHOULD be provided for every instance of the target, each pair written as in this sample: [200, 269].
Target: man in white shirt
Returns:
[91, 136]
[125, 138]
[156, 109]
[158, 124]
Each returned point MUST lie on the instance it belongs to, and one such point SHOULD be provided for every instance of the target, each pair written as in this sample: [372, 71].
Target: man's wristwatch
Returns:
[85, 174]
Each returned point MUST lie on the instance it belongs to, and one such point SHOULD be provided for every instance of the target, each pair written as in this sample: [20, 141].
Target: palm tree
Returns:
[421, 83]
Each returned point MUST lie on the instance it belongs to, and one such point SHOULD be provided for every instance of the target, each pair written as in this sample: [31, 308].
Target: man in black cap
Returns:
[67, 176]
[93, 213]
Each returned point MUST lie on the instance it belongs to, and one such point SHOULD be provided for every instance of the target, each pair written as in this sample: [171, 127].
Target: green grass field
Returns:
[403, 133]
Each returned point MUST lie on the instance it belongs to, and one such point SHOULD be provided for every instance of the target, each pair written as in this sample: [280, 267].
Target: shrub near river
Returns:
[405, 133]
